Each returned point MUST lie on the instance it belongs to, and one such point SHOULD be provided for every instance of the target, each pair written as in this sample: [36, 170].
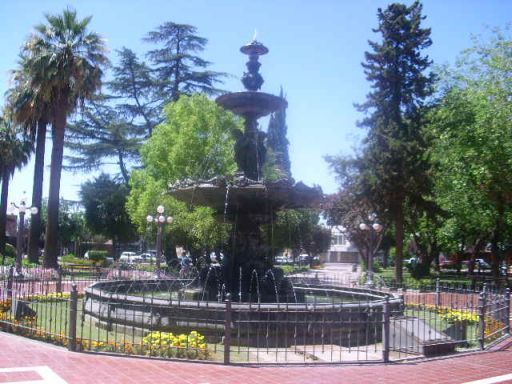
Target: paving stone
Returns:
[82, 368]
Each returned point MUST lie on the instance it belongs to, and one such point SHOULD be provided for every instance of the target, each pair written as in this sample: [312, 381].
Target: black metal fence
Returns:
[162, 321]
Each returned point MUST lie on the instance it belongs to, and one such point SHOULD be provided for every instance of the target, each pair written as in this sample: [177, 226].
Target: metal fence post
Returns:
[73, 305]
[438, 292]
[227, 330]
[59, 280]
[9, 281]
[482, 302]
[507, 311]
[385, 331]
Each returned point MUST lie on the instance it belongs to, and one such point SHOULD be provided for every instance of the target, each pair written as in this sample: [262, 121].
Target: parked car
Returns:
[130, 258]
[304, 259]
[281, 259]
[148, 257]
[411, 261]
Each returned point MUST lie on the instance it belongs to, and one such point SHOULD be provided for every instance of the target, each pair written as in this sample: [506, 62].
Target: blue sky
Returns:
[316, 50]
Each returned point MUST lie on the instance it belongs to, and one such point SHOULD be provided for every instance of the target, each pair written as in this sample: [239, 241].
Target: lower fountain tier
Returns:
[251, 197]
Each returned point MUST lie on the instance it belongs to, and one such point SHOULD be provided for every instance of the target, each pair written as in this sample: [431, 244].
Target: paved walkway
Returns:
[31, 362]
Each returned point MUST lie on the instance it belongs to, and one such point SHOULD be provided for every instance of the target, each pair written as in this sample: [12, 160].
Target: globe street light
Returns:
[160, 221]
[375, 231]
[22, 209]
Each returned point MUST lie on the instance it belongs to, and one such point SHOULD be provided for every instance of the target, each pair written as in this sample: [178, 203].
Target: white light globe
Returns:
[363, 227]
[160, 209]
[34, 210]
[377, 227]
[149, 218]
[161, 219]
[169, 219]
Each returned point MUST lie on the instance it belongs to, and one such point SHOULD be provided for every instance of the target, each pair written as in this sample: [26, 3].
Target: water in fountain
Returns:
[271, 273]
[254, 277]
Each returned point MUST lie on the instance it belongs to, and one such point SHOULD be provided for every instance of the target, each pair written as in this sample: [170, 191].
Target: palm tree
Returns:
[64, 64]
[32, 113]
[14, 153]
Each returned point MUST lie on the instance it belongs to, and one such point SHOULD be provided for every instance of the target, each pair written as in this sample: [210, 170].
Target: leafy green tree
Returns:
[105, 213]
[65, 62]
[347, 210]
[194, 142]
[178, 69]
[277, 143]
[473, 149]
[15, 151]
[392, 167]
[299, 231]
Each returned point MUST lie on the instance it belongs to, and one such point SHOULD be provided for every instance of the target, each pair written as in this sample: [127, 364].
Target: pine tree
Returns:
[112, 127]
[134, 90]
[277, 143]
[177, 68]
[394, 171]
[103, 136]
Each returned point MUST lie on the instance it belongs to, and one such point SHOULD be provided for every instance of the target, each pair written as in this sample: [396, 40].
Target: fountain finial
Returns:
[252, 80]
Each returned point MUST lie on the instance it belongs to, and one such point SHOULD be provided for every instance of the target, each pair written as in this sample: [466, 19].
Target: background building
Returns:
[341, 250]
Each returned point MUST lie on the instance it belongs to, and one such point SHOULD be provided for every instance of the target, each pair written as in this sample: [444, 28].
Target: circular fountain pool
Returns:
[355, 314]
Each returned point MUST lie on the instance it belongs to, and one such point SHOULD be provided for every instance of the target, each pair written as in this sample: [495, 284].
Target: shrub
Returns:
[10, 251]
[70, 258]
[96, 255]
[377, 266]
[8, 260]
[9, 255]
[418, 270]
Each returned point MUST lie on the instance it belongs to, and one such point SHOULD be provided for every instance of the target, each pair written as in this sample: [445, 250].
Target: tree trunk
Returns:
[122, 166]
[37, 194]
[474, 255]
[399, 239]
[52, 225]
[3, 212]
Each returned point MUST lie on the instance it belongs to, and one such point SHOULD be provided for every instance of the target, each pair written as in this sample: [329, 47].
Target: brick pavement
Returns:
[81, 368]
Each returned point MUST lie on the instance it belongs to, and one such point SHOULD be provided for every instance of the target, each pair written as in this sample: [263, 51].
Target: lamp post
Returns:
[160, 221]
[22, 209]
[375, 230]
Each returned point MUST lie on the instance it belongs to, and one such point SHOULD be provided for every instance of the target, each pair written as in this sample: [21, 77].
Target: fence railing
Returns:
[167, 323]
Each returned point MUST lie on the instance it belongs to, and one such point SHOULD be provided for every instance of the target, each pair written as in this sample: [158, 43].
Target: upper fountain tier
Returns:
[252, 104]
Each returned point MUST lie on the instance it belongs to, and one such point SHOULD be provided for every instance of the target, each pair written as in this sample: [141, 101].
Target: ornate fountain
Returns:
[261, 297]
[248, 201]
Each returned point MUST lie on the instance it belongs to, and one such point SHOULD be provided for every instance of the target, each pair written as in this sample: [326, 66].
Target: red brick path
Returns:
[16, 351]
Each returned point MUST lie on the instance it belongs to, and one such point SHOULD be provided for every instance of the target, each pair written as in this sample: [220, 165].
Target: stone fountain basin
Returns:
[250, 197]
[253, 324]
